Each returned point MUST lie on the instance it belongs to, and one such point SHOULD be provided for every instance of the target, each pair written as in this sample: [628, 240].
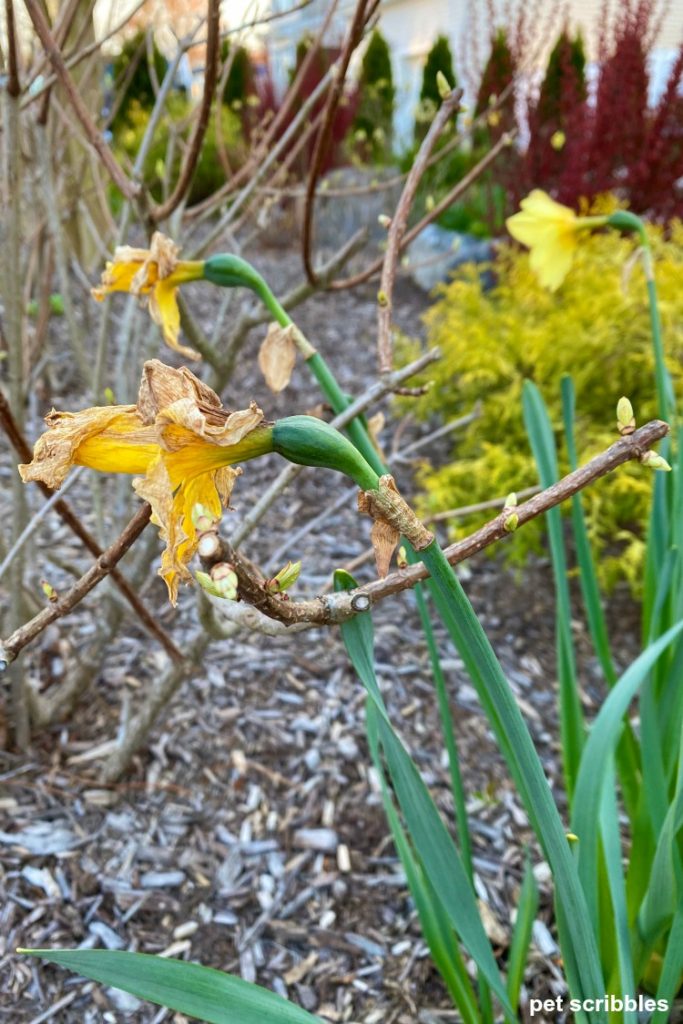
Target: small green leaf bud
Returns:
[443, 85]
[511, 523]
[285, 578]
[626, 421]
[401, 557]
[654, 461]
[49, 591]
[221, 582]
[510, 501]
[382, 299]
[384, 220]
[202, 518]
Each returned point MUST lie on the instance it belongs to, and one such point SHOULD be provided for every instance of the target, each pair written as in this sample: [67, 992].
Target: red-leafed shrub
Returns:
[580, 146]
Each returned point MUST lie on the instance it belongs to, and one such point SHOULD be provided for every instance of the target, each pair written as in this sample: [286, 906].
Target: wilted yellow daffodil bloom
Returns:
[550, 230]
[180, 442]
[155, 272]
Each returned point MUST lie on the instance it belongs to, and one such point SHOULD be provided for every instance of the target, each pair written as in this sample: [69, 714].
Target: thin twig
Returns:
[30, 527]
[451, 197]
[165, 209]
[10, 648]
[363, 12]
[397, 228]
[129, 189]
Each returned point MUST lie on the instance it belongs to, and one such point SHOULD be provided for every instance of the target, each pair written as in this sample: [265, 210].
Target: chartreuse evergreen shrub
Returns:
[596, 328]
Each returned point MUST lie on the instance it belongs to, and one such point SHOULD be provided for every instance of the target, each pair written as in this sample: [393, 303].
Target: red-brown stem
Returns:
[165, 209]
[363, 12]
[128, 188]
[13, 84]
[22, 636]
[399, 221]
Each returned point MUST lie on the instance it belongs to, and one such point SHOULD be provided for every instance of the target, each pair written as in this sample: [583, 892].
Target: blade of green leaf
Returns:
[436, 927]
[524, 764]
[542, 440]
[672, 968]
[437, 851]
[200, 992]
[610, 835]
[594, 762]
[527, 908]
[587, 575]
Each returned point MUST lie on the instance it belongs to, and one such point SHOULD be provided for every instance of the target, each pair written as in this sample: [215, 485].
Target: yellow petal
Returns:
[163, 307]
[172, 512]
[552, 261]
[105, 437]
[219, 427]
[541, 205]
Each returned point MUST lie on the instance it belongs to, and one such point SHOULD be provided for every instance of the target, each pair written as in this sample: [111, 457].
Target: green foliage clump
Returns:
[440, 59]
[164, 158]
[240, 81]
[567, 61]
[595, 328]
[131, 71]
[373, 122]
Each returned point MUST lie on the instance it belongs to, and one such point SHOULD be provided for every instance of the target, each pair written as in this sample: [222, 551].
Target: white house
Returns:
[411, 26]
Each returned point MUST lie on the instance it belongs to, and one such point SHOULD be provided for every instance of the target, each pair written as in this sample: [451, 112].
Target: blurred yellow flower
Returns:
[155, 272]
[178, 439]
[550, 231]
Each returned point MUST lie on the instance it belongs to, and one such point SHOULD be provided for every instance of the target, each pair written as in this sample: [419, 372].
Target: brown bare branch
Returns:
[399, 222]
[334, 608]
[128, 188]
[165, 209]
[22, 636]
[363, 12]
[451, 197]
[13, 85]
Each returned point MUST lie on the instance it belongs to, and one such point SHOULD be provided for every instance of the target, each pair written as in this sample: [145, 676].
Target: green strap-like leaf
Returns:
[433, 843]
[200, 992]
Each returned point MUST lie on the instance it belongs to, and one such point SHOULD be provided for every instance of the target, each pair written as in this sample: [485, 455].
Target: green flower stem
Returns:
[626, 221]
[229, 271]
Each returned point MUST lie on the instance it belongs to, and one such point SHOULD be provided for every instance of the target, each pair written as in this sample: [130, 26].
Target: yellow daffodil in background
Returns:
[178, 439]
[156, 273]
[550, 230]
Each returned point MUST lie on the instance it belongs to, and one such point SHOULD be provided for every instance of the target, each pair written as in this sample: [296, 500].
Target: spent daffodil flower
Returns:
[550, 230]
[155, 273]
[178, 440]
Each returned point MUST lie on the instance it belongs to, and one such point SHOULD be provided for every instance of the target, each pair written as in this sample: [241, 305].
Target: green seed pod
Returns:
[308, 441]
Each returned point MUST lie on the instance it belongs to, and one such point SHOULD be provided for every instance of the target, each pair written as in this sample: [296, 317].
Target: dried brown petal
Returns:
[277, 356]
[163, 385]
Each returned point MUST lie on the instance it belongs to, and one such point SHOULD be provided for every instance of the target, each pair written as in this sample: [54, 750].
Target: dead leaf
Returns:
[277, 356]
[384, 539]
